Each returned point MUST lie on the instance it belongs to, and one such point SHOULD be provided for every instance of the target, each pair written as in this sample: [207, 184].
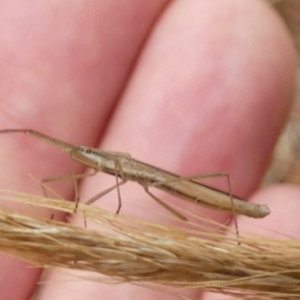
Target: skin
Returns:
[190, 86]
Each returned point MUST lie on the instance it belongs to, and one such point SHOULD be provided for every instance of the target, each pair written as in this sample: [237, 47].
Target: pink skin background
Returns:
[190, 86]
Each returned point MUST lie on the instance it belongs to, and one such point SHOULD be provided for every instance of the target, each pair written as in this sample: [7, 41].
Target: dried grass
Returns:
[131, 250]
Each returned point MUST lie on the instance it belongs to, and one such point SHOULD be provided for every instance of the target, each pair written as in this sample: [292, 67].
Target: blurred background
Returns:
[285, 163]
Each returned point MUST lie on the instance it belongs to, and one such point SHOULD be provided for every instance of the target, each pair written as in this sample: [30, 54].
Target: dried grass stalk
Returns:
[131, 250]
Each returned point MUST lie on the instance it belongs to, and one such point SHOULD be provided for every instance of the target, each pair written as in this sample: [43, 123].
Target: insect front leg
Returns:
[74, 177]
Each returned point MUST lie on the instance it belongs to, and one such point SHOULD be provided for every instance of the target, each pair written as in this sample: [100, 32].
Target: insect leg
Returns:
[166, 206]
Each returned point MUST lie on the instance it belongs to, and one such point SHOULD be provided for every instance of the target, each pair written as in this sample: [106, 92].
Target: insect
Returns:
[126, 168]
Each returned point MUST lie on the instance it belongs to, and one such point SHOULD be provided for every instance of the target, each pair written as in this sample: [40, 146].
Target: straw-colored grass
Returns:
[131, 250]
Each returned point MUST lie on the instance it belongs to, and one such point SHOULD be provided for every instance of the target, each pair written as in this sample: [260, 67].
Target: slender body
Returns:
[127, 168]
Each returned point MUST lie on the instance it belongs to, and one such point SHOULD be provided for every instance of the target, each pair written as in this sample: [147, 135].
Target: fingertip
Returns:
[284, 203]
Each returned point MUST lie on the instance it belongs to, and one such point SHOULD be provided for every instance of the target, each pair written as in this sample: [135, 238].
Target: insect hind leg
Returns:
[211, 175]
[164, 205]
